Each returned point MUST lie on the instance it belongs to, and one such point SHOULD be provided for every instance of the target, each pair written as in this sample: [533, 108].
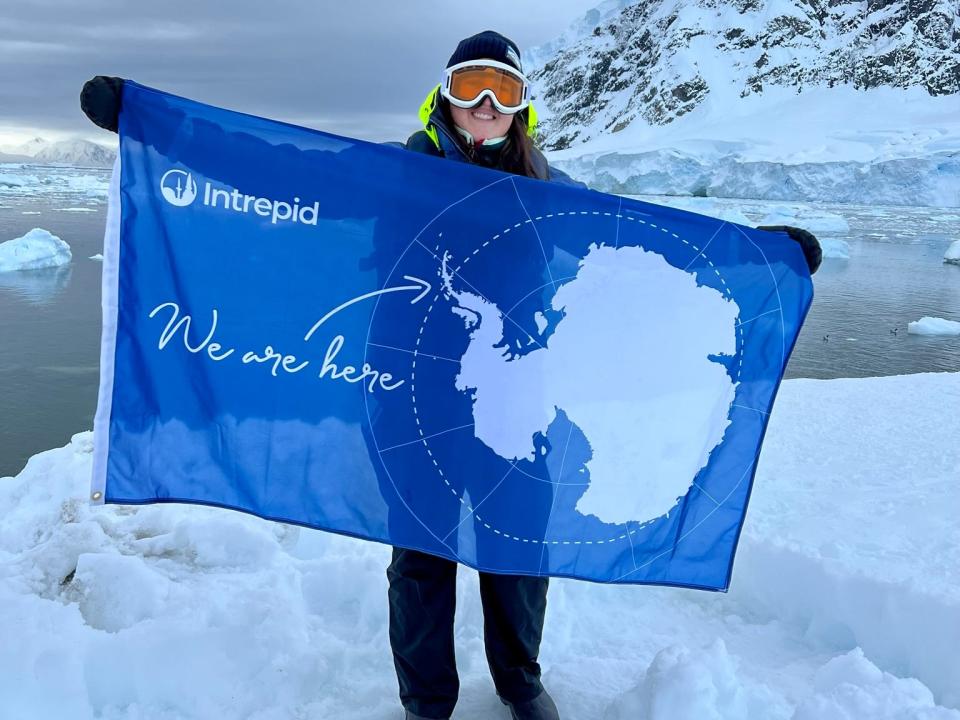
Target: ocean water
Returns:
[50, 320]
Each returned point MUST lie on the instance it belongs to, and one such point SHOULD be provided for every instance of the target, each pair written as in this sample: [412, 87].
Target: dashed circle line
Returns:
[416, 351]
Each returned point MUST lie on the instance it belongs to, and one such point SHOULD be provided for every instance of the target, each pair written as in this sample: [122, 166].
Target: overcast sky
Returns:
[354, 67]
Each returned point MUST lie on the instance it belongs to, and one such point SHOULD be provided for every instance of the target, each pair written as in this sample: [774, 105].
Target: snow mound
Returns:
[952, 255]
[175, 611]
[850, 686]
[684, 685]
[37, 249]
[934, 326]
[835, 248]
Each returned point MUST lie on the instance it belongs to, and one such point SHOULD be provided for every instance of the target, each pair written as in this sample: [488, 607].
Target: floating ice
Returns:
[37, 249]
[705, 206]
[835, 248]
[72, 185]
[952, 255]
[816, 221]
[934, 326]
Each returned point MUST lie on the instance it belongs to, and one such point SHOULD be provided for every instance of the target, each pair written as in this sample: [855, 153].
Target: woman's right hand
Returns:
[100, 101]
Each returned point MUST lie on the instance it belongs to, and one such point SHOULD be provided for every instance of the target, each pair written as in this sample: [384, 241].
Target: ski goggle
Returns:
[466, 84]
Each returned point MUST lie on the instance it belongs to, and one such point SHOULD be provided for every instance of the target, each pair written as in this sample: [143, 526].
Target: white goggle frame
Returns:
[505, 109]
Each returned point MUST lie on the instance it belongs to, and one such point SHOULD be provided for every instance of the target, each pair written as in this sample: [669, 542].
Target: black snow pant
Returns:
[422, 603]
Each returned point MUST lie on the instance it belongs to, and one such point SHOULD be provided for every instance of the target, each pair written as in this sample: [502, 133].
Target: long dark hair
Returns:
[519, 152]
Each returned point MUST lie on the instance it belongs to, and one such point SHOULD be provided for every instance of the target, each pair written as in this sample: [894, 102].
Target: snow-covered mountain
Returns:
[788, 99]
[656, 60]
[76, 152]
[29, 148]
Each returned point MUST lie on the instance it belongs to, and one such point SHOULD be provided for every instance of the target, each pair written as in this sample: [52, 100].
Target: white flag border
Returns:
[108, 337]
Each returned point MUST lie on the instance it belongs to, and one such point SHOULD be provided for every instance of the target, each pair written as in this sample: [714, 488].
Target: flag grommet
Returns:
[96, 496]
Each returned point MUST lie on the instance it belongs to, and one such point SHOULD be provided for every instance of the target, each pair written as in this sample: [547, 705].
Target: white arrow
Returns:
[422, 285]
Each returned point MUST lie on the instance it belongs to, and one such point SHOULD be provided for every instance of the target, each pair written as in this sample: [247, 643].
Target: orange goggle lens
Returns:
[467, 83]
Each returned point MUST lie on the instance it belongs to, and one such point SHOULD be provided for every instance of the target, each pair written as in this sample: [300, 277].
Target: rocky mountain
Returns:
[649, 62]
[77, 152]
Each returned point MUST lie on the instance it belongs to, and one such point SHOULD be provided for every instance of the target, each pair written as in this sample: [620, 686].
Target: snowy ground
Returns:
[845, 600]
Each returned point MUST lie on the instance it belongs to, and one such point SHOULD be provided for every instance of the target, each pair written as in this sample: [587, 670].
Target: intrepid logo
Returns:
[179, 188]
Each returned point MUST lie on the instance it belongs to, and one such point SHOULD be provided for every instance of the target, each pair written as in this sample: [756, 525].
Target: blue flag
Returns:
[520, 376]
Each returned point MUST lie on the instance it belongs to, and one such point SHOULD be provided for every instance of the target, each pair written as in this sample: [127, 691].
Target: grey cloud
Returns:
[356, 68]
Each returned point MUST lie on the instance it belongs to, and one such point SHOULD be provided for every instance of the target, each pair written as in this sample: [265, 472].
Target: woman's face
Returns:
[483, 121]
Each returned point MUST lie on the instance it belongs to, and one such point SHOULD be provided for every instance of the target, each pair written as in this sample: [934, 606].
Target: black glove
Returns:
[808, 243]
[100, 101]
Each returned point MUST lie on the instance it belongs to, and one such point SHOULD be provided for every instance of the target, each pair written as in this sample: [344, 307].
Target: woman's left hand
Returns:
[808, 243]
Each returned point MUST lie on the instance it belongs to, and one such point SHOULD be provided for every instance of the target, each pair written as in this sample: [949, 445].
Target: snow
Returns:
[845, 600]
[35, 250]
[934, 326]
[98, 257]
[952, 255]
[850, 686]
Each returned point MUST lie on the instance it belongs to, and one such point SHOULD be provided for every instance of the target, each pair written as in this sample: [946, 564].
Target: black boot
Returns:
[410, 716]
[541, 707]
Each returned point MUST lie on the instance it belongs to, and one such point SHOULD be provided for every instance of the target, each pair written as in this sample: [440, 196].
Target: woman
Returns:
[480, 113]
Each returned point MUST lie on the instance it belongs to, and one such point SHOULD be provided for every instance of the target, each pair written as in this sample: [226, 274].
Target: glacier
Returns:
[930, 181]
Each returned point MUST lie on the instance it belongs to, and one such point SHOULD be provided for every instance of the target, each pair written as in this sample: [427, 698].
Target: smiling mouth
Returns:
[483, 116]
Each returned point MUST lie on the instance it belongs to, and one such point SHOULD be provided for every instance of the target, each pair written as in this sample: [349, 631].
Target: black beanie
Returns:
[488, 45]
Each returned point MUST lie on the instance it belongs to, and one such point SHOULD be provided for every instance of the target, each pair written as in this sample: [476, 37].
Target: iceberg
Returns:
[934, 326]
[33, 251]
[816, 221]
[701, 205]
[952, 255]
[835, 248]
